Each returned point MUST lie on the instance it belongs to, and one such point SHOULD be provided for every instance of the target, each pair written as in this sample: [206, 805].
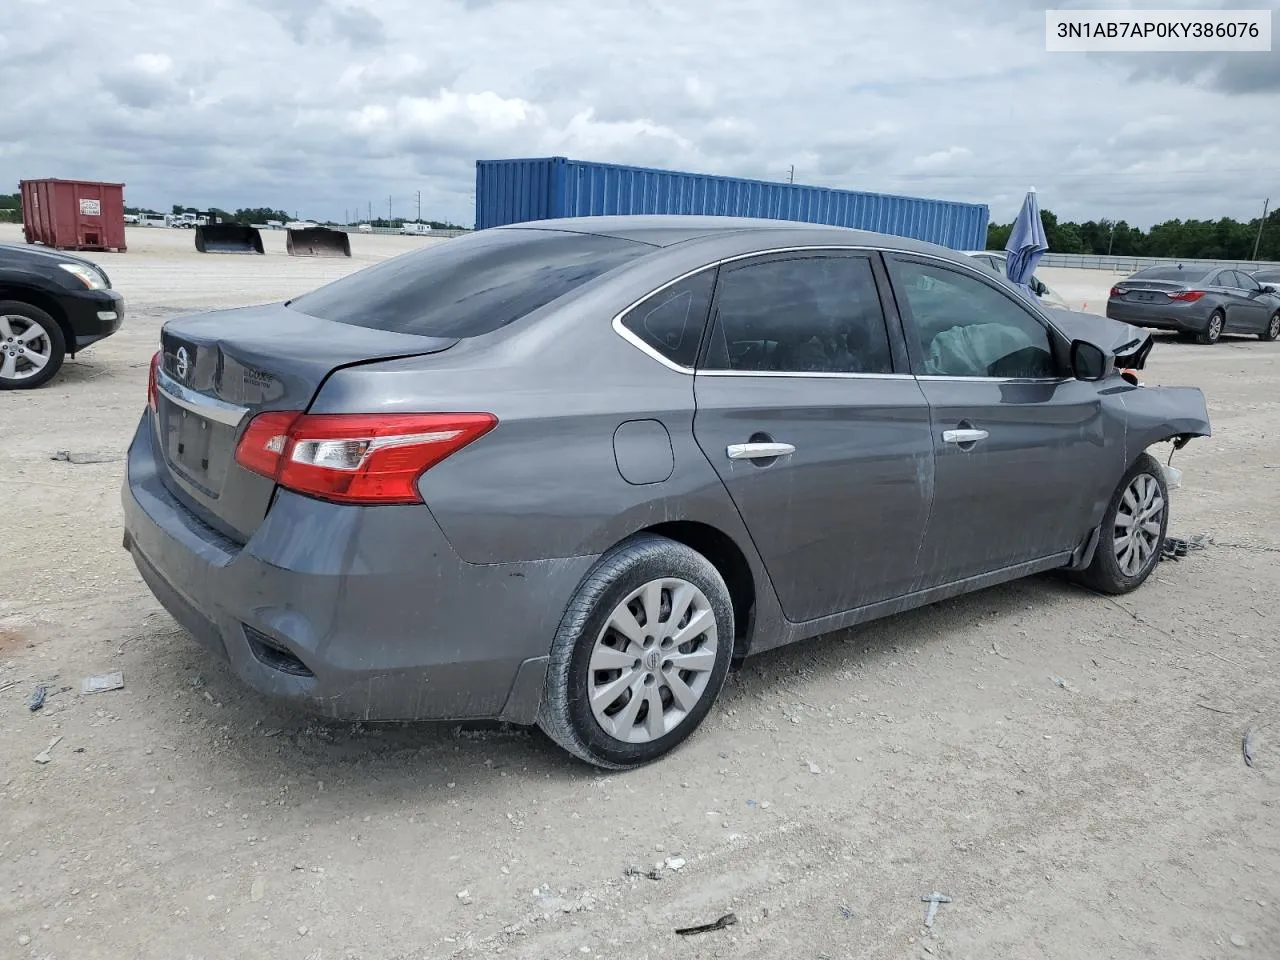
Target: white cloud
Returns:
[325, 105]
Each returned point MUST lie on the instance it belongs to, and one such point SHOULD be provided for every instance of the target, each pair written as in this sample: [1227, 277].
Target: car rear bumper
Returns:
[93, 315]
[356, 613]
[1155, 316]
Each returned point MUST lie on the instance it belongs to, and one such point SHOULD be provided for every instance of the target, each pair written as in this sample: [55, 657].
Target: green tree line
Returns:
[1224, 239]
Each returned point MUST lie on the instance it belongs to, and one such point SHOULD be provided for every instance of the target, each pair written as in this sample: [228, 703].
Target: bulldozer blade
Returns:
[317, 242]
[228, 238]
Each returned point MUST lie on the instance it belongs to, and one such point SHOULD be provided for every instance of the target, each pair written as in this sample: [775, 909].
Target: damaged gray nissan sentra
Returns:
[565, 472]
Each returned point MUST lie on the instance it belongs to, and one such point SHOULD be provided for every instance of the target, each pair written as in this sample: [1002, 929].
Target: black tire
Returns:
[1272, 329]
[565, 713]
[1212, 332]
[50, 331]
[1104, 573]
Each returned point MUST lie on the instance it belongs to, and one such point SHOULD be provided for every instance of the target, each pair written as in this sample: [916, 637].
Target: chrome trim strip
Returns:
[210, 408]
[995, 379]
[805, 376]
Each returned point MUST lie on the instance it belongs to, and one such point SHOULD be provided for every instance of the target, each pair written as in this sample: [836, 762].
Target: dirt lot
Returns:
[1110, 816]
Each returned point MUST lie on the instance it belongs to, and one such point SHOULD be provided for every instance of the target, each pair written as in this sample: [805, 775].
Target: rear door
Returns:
[806, 410]
[1023, 454]
[1234, 304]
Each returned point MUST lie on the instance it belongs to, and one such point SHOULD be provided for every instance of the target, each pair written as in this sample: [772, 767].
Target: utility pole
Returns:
[1265, 203]
[419, 205]
[791, 174]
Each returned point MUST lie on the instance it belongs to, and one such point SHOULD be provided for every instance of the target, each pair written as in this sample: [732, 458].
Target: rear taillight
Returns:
[1187, 296]
[153, 388]
[355, 458]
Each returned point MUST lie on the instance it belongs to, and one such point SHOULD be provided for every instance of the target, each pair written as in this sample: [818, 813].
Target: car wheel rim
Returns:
[25, 347]
[1215, 327]
[1137, 527]
[652, 662]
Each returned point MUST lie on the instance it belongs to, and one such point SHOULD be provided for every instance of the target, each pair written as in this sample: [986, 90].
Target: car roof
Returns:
[664, 230]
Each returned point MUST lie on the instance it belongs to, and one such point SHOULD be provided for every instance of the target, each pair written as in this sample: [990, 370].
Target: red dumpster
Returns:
[73, 214]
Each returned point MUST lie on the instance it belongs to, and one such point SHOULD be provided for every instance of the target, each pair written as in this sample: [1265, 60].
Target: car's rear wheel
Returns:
[1133, 530]
[1272, 329]
[640, 656]
[1212, 332]
[32, 347]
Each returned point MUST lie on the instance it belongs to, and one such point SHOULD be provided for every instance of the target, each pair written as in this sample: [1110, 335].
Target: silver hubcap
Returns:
[1137, 530]
[25, 347]
[1215, 326]
[652, 661]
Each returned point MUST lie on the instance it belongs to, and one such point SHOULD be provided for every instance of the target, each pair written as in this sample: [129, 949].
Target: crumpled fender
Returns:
[1154, 414]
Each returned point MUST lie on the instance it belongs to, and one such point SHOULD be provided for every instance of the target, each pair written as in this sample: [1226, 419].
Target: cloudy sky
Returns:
[325, 106]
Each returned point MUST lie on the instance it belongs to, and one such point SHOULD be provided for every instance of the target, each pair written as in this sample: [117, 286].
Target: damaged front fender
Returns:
[1156, 414]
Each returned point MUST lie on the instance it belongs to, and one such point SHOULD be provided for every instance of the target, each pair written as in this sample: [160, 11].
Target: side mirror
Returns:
[1088, 361]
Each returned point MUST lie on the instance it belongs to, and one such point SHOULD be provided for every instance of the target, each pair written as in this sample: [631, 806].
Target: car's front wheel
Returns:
[1272, 329]
[640, 656]
[1133, 530]
[1212, 332]
[31, 346]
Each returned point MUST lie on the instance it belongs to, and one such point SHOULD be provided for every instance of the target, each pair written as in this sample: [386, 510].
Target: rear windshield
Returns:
[1190, 274]
[471, 285]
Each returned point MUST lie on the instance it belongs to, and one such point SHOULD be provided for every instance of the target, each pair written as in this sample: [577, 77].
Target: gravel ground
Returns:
[1067, 768]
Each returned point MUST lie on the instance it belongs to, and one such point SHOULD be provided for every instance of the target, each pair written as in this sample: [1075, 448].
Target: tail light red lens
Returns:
[152, 387]
[1187, 296]
[355, 458]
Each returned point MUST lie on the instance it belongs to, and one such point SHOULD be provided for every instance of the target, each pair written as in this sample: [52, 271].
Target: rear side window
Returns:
[471, 285]
[814, 314]
[671, 321]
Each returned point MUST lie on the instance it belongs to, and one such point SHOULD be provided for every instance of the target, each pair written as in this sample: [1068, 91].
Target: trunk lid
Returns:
[220, 369]
[1150, 291]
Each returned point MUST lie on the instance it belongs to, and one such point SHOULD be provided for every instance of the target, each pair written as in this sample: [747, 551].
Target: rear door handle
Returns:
[964, 436]
[758, 451]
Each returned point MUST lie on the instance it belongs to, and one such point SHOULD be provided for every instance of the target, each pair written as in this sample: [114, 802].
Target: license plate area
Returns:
[195, 447]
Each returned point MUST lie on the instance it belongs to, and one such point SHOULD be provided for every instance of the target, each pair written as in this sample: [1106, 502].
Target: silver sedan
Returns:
[1204, 302]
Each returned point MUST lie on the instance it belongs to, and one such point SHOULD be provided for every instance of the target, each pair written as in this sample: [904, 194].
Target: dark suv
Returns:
[51, 304]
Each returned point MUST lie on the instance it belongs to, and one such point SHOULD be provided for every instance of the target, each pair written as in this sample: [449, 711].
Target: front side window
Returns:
[807, 314]
[1246, 282]
[671, 321]
[968, 328]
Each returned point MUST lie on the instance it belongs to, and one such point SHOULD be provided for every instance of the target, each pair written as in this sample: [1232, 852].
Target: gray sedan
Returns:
[566, 472]
[1197, 301]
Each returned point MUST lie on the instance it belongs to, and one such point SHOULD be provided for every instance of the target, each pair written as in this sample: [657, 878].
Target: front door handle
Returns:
[758, 451]
[964, 436]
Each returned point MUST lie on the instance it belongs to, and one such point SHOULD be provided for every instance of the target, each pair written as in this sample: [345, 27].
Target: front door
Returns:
[1024, 457]
[822, 441]
[1254, 307]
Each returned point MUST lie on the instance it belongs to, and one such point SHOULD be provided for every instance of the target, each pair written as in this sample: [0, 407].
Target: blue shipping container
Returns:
[517, 191]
